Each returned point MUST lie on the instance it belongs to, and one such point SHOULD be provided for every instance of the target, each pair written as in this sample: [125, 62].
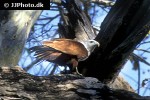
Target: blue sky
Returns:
[44, 67]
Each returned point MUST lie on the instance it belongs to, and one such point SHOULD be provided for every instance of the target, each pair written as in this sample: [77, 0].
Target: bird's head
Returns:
[90, 45]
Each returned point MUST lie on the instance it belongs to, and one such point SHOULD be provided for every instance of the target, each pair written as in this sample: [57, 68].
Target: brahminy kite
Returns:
[65, 51]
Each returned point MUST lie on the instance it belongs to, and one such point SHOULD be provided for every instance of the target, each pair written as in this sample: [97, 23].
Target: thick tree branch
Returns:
[14, 30]
[124, 27]
[16, 84]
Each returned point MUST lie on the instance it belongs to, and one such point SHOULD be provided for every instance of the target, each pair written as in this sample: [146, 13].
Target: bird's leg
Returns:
[75, 65]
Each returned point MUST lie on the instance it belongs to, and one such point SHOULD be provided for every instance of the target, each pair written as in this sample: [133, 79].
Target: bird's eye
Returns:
[91, 41]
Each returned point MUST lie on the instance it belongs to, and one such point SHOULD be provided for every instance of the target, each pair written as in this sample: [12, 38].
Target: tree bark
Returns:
[14, 30]
[125, 26]
[18, 85]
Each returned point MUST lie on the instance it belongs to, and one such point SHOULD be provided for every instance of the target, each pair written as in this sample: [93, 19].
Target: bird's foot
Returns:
[77, 72]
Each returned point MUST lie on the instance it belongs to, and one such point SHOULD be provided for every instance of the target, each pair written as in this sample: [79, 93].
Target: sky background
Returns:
[44, 68]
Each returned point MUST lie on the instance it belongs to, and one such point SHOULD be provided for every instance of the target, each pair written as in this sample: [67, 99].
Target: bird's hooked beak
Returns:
[98, 45]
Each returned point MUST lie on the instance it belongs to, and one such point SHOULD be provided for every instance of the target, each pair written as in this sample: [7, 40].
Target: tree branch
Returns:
[122, 30]
[14, 30]
[17, 84]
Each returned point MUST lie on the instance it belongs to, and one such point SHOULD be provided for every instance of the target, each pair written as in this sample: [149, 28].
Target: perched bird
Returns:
[65, 51]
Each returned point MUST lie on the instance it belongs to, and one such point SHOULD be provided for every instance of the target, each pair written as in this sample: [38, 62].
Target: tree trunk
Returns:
[14, 30]
[125, 26]
[15, 84]
[18, 85]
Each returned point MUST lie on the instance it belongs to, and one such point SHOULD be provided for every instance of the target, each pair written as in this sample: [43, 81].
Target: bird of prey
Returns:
[65, 51]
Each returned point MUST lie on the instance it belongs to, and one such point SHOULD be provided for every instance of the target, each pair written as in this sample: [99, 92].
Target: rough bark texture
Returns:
[120, 83]
[14, 29]
[17, 85]
[125, 26]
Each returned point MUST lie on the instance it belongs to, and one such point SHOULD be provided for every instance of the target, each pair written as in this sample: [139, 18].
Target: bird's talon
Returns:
[78, 72]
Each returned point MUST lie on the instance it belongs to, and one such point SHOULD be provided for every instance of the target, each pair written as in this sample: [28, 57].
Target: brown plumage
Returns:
[68, 46]
[64, 51]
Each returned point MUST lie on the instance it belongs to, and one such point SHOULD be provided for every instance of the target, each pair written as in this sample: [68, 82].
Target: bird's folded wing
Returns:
[68, 46]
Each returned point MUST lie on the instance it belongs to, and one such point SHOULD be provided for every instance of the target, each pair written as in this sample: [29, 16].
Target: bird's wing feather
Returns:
[45, 53]
[68, 46]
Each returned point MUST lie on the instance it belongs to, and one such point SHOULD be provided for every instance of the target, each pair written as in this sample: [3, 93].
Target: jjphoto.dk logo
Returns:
[26, 5]
[6, 5]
